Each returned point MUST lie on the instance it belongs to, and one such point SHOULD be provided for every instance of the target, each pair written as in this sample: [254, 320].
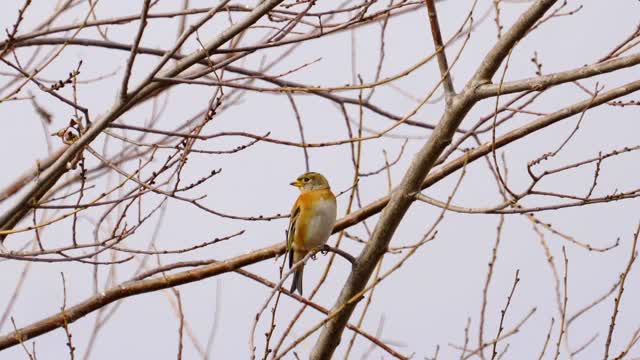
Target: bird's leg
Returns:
[326, 248]
[320, 249]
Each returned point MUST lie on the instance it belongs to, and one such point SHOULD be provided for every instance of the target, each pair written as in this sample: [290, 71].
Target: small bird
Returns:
[312, 219]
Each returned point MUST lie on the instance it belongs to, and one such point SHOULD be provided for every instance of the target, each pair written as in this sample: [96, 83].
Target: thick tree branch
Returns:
[508, 41]
[480, 151]
[133, 288]
[403, 196]
[542, 82]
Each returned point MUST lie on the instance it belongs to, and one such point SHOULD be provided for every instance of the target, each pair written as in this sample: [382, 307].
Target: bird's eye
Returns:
[306, 180]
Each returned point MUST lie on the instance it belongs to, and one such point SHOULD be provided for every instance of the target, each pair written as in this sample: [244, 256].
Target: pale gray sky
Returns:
[428, 301]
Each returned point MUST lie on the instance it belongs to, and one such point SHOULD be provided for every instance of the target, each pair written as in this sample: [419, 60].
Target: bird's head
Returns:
[311, 181]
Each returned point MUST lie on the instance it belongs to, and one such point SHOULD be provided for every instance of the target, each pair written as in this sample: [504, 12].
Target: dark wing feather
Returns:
[292, 230]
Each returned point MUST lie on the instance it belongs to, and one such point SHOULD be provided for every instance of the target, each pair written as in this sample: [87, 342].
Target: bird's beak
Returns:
[296, 184]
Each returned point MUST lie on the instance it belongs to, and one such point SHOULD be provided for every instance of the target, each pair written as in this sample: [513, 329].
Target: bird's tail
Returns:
[297, 275]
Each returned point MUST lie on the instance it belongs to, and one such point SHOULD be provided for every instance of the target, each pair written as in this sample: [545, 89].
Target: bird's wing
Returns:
[295, 213]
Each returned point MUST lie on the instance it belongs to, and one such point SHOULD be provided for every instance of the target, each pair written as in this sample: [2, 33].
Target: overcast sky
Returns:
[427, 302]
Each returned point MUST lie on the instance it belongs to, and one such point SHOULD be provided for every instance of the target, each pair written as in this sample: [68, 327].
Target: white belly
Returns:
[320, 226]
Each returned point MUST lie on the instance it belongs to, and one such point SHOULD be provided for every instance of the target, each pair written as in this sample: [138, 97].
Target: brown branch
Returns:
[563, 312]
[133, 288]
[30, 174]
[542, 82]
[516, 329]
[487, 282]
[503, 312]
[403, 196]
[480, 151]
[134, 51]
[50, 176]
[449, 90]
[546, 341]
[618, 298]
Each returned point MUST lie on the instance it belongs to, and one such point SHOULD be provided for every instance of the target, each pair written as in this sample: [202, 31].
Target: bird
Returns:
[311, 223]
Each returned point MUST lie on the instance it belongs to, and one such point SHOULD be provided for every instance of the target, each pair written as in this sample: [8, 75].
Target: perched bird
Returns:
[312, 219]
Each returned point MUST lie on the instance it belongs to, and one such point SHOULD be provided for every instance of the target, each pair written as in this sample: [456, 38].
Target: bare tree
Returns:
[164, 132]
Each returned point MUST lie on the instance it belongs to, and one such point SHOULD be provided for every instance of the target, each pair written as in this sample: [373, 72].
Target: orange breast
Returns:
[308, 201]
